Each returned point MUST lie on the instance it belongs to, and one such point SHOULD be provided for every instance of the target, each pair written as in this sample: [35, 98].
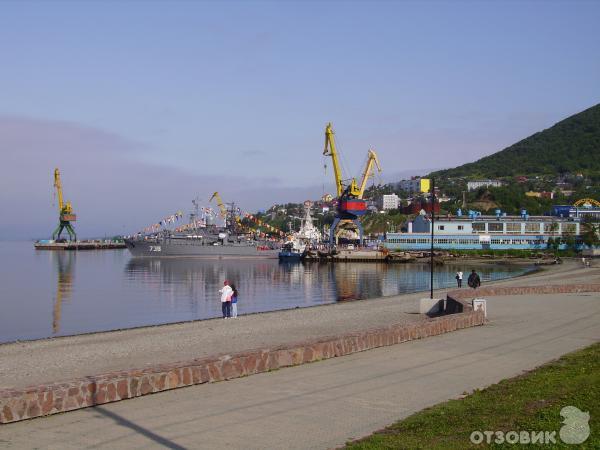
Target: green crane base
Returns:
[64, 225]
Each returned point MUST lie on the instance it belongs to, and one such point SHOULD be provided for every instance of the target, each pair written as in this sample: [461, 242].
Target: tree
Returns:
[590, 234]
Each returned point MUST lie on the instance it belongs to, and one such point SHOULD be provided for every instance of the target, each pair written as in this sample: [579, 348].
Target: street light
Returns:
[432, 226]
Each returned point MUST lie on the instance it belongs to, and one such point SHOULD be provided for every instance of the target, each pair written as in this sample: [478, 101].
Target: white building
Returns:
[472, 185]
[416, 184]
[390, 201]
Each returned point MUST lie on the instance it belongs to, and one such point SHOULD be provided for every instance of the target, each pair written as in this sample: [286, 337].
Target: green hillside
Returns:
[572, 145]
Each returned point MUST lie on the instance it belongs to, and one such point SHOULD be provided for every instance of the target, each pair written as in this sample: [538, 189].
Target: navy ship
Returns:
[209, 241]
[201, 245]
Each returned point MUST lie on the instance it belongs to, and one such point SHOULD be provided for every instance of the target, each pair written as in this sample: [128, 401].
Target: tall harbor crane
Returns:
[65, 212]
[372, 161]
[350, 204]
[220, 204]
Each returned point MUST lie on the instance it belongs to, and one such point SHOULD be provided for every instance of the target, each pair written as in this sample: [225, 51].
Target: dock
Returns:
[360, 255]
[79, 245]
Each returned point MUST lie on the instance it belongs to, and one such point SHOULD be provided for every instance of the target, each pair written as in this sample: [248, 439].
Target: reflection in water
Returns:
[263, 284]
[64, 262]
[270, 284]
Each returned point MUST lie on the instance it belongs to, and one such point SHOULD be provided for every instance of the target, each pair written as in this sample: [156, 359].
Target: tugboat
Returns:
[292, 251]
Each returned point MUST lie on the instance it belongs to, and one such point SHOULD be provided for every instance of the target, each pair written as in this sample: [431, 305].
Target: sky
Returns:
[145, 105]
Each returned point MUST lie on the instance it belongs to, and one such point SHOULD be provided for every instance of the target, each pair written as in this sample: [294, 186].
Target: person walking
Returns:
[226, 299]
[459, 277]
[234, 299]
[474, 281]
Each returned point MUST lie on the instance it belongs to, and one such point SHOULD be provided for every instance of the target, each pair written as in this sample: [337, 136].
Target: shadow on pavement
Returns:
[138, 429]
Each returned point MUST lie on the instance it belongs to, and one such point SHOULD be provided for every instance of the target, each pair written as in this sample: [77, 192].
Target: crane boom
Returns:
[371, 159]
[58, 187]
[330, 150]
[63, 208]
[220, 204]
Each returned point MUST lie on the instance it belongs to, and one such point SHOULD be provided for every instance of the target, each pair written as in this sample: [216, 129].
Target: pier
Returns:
[360, 255]
[79, 245]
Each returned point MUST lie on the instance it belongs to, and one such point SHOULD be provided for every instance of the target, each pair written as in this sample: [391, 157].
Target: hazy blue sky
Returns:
[145, 105]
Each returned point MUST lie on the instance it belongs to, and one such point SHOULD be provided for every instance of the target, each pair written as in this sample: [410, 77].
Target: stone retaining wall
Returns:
[20, 404]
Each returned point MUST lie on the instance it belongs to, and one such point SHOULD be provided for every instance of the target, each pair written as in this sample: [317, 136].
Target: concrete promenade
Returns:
[323, 404]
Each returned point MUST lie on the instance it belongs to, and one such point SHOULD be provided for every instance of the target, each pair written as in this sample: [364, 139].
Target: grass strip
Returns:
[529, 402]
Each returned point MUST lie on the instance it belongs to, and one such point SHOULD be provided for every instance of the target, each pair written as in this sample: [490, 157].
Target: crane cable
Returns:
[342, 160]
[324, 174]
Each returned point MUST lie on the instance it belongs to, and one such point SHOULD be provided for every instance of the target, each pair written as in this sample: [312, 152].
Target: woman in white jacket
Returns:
[226, 299]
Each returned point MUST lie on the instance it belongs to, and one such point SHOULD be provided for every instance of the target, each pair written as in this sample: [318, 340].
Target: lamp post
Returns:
[432, 226]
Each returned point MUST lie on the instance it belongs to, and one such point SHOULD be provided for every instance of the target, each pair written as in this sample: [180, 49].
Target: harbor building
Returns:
[477, 232]
[415, 184]
[577, 212]
[476, 184]
[390, 201]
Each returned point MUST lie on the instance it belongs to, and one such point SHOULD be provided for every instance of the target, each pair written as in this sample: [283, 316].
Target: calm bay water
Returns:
[51, 293]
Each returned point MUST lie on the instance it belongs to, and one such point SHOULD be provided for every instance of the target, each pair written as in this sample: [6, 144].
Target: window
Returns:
[440, 227]
[551, 228]
[479, 227]
[495, 227]
[513, 227]
[569, 228]
[461, 227]
[532, 227]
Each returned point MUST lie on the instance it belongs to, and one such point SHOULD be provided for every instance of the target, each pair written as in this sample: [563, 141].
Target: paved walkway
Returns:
[322, 405]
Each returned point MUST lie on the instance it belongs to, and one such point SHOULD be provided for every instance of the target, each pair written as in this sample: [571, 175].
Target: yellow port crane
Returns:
[224, 209]
[65, 212]
[220, 204]
[372, 161]
[350, 205]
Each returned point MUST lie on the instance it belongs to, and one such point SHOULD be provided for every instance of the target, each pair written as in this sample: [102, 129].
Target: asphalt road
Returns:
[324, 404]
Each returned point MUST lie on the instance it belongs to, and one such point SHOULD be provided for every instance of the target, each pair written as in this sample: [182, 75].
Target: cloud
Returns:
[113, 189]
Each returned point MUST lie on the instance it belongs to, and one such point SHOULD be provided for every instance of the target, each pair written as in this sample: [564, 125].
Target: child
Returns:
[234, 298]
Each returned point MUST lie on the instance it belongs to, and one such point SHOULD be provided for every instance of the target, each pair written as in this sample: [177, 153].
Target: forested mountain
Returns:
[570, 146]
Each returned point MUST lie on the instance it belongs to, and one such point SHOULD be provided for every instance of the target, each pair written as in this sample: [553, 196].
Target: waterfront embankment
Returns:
[142, 352]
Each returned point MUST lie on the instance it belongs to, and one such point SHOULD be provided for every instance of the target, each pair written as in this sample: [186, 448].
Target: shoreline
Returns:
[48, 377]
[46, 360]
[475, 261]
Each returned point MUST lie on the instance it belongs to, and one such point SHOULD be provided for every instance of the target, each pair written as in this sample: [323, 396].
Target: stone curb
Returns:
[492, 291]
[46, 399]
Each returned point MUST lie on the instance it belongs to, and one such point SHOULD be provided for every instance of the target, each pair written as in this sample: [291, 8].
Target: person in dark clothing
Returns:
[474, 281]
